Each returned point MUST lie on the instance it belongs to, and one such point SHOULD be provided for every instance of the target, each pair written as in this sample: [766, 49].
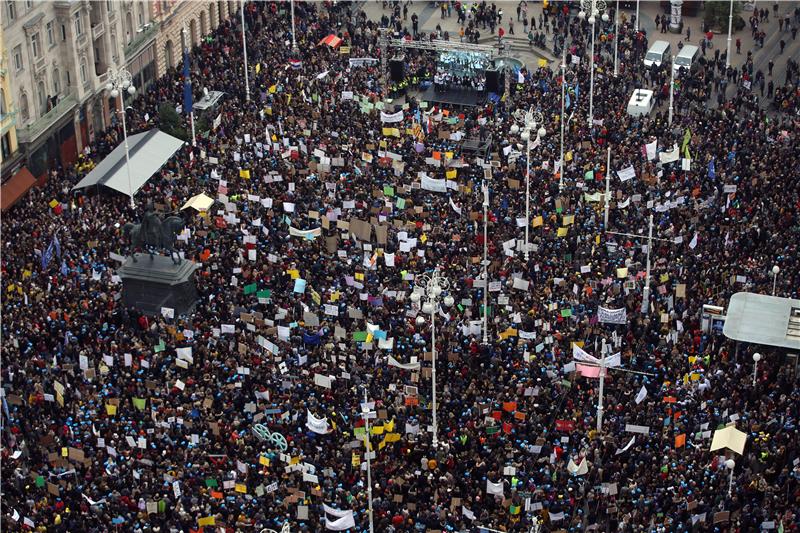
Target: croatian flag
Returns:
[295, 63]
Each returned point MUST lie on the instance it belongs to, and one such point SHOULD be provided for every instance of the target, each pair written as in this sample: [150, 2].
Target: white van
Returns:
[641, 103]
[686, 57]
[658, 53]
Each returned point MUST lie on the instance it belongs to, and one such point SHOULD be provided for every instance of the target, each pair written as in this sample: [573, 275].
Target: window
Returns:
[12, 10]
[28, 4]
[83, 70]
[51, 38]
[141, 17]
[2, 101]
[35, 47]
[114, 46]
[78, 23]
[42, 94]
[110, 6]
[63, 32]
[69, 79]
[18, 58]
[23, 106]
[6, 146]
[56, 82]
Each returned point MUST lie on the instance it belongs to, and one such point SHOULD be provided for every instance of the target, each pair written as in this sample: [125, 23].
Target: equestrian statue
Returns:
[154, 234]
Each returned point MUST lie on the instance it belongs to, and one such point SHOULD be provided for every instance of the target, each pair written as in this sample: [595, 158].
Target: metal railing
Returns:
[40, 125]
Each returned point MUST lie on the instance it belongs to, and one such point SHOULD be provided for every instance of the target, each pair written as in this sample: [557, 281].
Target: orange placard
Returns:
[412, 401]
[670, 399]
[509, 407]
[437, 155]
[217, 495]
[680, 440]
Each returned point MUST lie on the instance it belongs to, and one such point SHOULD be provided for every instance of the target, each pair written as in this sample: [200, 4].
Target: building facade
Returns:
[59, 54]
[198, 18]
[10, 155]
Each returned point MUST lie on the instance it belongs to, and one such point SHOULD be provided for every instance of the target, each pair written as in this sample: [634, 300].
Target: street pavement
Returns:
[517, 45]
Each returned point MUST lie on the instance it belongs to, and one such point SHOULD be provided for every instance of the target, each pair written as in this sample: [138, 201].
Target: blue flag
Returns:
[712, 169]
[567, 101]
[54, 248]
[187, 84]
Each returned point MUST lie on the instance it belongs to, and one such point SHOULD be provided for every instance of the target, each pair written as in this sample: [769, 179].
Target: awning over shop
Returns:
[13, 189]
[148, 153]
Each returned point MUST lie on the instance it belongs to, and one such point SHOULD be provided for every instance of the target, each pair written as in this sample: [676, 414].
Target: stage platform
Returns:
[454, 97]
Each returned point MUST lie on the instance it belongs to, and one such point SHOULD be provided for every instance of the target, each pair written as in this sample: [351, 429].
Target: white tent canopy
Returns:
[148, 151]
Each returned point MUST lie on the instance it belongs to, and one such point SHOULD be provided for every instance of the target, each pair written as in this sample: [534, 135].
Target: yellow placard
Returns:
[622, 272]
[562, 232]
[335, 296]
[64, 452]
[263, 461]
[568, 219]
[377, 430]
[294, 460]
[451, 174]
[392, 437]
[359, 276]
[206, 521]
[111, 409]
[448, 155]
[241, 487]
[294, 273]
[53, 203]
[243, 173]
[538, 221]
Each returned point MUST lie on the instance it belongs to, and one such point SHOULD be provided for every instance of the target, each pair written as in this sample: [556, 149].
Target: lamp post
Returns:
[730, 27]
[367, 412]
[594, 7]
[485, 264]
[428, 290]
[119, 81]
[562, 121]
[646, 291]
[775, 270]
[756, 359]
[531, 119]
[730, 464]
[616, 38]
[294, 48]
[244, 48]
[671, 88]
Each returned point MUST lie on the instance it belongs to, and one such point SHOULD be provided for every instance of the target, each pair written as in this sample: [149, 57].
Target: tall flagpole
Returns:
[365, 410]
[244, 47]
[486, 265]
[191, 111]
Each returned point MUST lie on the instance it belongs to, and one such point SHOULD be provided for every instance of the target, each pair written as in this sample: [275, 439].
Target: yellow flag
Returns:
[451, 174]
[273, 89]
[377, 430]
[258, 68]
[389, 426]
[111, 409]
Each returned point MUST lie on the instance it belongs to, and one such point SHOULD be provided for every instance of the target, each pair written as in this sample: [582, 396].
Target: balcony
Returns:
[32, 132]
[8, 120]
[98, 30]
[141, 39]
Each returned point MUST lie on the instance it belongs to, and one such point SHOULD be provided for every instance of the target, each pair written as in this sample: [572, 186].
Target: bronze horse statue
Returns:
[155, 234]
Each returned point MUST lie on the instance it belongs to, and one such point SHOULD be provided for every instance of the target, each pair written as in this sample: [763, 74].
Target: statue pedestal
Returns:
[150, 284]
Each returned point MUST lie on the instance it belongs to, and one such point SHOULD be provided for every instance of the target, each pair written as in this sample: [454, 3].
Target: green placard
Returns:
[250, 289]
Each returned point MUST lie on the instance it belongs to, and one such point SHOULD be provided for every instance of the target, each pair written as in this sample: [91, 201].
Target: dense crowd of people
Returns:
[307, 261]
